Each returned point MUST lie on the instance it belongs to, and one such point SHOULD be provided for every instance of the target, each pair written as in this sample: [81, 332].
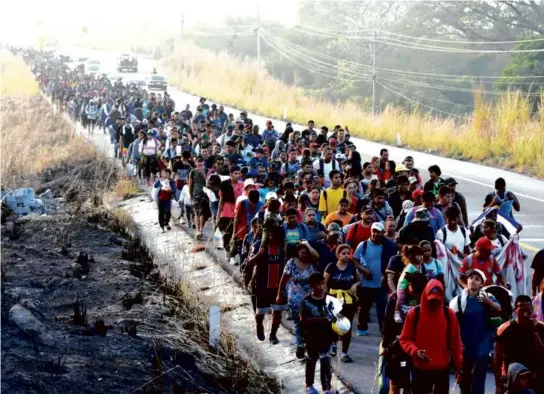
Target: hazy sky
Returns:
[64, 18]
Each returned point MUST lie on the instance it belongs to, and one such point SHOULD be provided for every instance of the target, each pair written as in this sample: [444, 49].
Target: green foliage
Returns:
[524, 64]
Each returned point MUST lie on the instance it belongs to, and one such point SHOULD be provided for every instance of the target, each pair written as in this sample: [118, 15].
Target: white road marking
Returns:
[492, 187]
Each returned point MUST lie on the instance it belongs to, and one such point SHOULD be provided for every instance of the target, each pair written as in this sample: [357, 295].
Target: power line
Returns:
[413, 45]
[428, 39]
[414, 73]
[419, 103]
[303, 52]
[311, 56]
[304, 66]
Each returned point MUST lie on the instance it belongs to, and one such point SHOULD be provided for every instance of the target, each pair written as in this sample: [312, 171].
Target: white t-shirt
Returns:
[498, 245]
[454, 238]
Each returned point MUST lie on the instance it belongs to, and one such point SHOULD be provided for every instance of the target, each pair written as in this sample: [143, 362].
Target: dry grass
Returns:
[15, 78]
[126, 188]
[502, 133]
[32, 137]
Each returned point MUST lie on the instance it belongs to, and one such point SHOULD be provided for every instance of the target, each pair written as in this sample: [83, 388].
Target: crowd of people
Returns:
[306, 218]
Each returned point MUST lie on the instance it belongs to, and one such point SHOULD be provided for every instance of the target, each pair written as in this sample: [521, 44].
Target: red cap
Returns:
[332, 141]
[436, 293]
[417, 193]
[268, 122]
[484, 243]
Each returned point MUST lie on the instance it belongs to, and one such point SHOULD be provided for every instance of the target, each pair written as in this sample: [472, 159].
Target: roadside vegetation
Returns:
[504, 133]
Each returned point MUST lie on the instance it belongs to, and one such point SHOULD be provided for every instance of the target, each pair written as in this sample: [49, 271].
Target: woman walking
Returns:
[342, 281]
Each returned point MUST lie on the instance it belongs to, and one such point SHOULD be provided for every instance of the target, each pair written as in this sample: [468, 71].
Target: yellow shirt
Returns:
[330, 204]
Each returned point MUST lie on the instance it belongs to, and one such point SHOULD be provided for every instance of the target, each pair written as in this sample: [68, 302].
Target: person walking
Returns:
[165, 193]
[431, 336]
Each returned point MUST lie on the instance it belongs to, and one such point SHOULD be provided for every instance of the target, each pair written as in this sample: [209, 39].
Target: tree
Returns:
[525, 64]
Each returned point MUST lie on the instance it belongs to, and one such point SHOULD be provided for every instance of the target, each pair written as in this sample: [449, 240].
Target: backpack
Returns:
[249, 215]
[445, 233]
[322, 166]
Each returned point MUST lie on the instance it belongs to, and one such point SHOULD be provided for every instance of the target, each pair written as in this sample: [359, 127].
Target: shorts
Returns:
[201, 206]
[266, 301]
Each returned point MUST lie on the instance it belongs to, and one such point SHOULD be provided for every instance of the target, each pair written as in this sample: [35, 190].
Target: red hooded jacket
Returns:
[431, 333]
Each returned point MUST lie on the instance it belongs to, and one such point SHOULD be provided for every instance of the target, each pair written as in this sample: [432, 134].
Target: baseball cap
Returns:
[332, 141]
[248, 182]
[401, 167]
[407, 205]
[477, 272]
[436, 293]
[269, 123]
[450, 181]
[484, 243]
[412, 179]
[378, 226]
[334, 228]
[271, 195]
[417, 193]
[230, 127]
[258, 150]
[421, 215]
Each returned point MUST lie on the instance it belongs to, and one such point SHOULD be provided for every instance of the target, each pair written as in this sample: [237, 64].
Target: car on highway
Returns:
[157, 82]
[139, 83]
[127, 62]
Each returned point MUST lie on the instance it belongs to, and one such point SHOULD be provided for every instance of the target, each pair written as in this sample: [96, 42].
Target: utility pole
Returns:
[258, 35]
[374, 76]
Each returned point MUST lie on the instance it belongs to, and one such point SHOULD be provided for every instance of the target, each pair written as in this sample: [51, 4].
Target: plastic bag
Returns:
[175, 209]
[155, 194]
[218, 239]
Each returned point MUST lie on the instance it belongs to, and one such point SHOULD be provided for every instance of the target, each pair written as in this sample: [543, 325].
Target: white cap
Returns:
[378, 226]
[412, 179]
[248, 182]
[407, 205]
[270, 195]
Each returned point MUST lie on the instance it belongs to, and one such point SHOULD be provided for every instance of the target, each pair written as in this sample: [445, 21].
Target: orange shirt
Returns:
[346, 218]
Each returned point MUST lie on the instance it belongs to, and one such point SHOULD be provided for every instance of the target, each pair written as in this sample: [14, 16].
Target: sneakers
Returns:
[398, 318]
[346, 358]
[362, 333]
[233, 261]
[311, 390]
[260, 332]
[163, 230]
[273, 339]
[300, 353]
[333, 350]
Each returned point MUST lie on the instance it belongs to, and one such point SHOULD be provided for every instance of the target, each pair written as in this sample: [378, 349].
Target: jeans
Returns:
[430, 382]
[312, 355]
[295, 312]
[164, 212]
[474, 374]
[367, 296]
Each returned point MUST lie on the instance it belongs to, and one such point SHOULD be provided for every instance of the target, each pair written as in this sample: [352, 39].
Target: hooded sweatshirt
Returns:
[431, 334]
[513, 372]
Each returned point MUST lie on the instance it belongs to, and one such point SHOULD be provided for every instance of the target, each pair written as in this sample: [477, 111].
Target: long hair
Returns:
[227, 191]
